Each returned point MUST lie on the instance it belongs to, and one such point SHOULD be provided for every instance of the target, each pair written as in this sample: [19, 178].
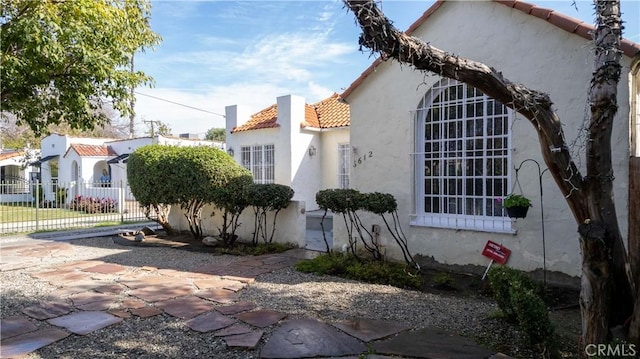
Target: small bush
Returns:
[326, 264]
[517, 296]
[348, 266]
[501, 279]
[532, 315]
[443, 280]
[248, 249]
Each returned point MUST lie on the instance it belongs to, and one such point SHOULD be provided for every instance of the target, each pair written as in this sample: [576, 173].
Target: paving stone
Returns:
[217, 269]
[99, 305]
[236, 308]
[106, 268]
[261, 318]
[248, 340]
[83, 286]
[147, 281]
[47, 310]
[218, 283]
[116, 289]
[29, 342]
[85, 322]
[273, 260]
[120, 313]
[222, 296]
[132, 303]
[70, 278]
[234, 285]
[234, 329]
[80, 264]
[162, 292]
[250, 262]
[12, 326]
[431, 343]
[240, 278]
[209, 322]
[368, 329]
[145, 312]
[46, 275]
[186, 307]
[91, 297]
[302, 338]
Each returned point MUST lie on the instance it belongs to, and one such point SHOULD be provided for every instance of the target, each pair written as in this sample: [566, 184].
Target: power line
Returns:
[180, 104]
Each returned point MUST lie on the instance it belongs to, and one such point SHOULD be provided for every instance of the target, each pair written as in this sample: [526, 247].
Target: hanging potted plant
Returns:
[517, 205]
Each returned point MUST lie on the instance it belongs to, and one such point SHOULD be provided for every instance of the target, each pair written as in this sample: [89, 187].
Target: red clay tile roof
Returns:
[562, 21]
[12, 154]
[92, 150]
[332, 112]
[328, 113]
[266, 118]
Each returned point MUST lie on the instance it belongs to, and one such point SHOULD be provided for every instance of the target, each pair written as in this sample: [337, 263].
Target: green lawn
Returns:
[21, 213]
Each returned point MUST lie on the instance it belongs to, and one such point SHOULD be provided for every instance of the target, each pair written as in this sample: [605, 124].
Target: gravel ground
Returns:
[297, 294]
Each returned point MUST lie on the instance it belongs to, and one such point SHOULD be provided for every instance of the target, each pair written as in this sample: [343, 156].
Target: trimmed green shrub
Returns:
[161, 176]
[232, 199]
[347, 202]
[266, 198]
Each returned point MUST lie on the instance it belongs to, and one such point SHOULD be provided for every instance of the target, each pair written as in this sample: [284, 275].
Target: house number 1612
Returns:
[360, 160]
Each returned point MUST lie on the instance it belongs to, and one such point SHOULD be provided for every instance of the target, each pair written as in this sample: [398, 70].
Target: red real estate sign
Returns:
[497, 252]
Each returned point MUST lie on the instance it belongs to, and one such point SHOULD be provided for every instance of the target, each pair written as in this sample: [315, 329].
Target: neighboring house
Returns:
[16, 174]
[77, 163]
[293, 143]
[447, 152]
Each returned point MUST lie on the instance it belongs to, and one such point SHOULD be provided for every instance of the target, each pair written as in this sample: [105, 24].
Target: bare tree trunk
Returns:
[590, 198]
[599, 181]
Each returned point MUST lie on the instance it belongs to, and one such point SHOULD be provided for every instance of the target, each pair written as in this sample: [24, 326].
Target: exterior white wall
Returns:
[535, 53]
[293, 165]
[329, 155]
[290, 224]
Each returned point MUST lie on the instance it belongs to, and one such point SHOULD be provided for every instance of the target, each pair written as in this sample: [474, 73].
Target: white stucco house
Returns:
[77, 163]
[304, 146]
[448, 153]
[16, 174]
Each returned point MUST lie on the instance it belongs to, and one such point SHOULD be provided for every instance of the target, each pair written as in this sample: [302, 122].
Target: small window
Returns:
[260, 161]
[344, 159]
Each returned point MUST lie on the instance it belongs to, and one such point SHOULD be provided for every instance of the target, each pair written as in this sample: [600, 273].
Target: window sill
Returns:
[497, 225]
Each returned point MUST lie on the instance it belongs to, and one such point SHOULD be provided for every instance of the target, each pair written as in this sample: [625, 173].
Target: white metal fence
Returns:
[38, 206]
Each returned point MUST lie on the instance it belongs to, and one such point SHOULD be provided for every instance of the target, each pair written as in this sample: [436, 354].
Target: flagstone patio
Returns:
[99, 294]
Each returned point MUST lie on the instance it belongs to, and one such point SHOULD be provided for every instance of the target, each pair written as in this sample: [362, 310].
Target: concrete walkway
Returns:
[206, 298]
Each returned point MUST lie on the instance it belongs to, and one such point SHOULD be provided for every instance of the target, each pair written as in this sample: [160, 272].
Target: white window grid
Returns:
[461, 159]
[260, 160]
[344, 159]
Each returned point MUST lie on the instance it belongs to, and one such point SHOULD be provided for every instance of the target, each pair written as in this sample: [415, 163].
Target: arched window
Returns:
[462, 159]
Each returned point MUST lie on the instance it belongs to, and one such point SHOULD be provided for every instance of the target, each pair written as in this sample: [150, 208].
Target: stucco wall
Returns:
[330, 161]
[526, 50]
[290, 225]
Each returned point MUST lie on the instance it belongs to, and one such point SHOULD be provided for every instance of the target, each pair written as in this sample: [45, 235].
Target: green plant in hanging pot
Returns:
[516, 205]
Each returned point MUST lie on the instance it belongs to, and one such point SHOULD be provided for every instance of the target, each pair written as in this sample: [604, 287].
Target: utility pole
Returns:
[132, 116]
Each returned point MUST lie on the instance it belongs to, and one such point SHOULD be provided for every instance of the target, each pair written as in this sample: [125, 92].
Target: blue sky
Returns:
[220, 53]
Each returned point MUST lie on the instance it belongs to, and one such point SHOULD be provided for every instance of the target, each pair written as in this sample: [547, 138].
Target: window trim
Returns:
[421, 218]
